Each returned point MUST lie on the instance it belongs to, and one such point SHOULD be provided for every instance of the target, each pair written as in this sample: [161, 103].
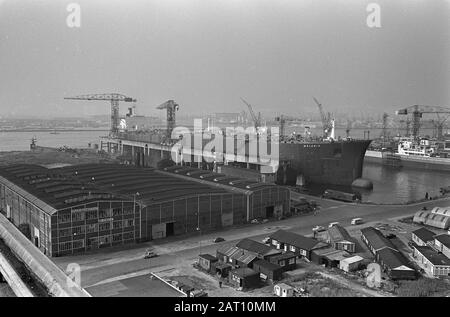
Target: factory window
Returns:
[117, 237]
[78, 230]
[104, 226]
[64, 232]
[128, 211]
[128, 235]
[91, 228]
[117, 224]
[63, 218]
[78, 244]
[117, 212]
[92, 214]
[65, 246]
[77, 216]
[105, 213]
[104, 240]
[128, 223]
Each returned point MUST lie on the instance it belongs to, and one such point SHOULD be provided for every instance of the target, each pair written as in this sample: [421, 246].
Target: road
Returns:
[116, 264]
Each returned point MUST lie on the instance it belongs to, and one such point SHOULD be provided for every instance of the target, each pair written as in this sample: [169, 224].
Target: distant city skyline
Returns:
[206, 54]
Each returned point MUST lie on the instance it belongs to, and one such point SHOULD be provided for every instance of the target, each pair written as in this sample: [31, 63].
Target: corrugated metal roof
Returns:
[296, 240]
[376, 239]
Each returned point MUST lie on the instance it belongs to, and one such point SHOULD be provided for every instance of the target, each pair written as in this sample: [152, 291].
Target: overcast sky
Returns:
[205, 54]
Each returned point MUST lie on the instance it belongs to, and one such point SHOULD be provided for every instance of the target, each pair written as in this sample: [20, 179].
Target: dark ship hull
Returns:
[335, 163]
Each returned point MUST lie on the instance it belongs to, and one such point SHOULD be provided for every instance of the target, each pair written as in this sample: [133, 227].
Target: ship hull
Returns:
[335, 163]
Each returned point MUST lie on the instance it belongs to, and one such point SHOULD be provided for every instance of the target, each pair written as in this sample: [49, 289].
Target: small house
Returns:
[442, 243]
[287, 261]
[296, 243]
[283, 290]
[268, 271]
[351, 264]
[244, 278]
[206, 261]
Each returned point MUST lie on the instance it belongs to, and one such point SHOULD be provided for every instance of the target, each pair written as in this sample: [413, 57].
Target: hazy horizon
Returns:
[206, 54]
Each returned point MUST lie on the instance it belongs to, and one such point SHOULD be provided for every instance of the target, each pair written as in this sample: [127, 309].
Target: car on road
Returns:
[318, 228]
[218, 239]
[333, 224]
[150, 254]
[357, 221]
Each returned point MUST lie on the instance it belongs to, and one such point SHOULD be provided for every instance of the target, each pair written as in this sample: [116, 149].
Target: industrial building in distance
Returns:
[84, 207]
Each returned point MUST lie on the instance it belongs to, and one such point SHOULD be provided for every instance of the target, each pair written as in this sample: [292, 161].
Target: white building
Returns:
[351, 264]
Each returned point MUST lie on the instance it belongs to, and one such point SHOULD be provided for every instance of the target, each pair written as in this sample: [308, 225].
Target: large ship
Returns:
[301, 160]
[421, 153]
[337, 162]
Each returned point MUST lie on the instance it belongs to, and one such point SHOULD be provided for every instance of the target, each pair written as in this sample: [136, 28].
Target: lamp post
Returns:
[140, 214]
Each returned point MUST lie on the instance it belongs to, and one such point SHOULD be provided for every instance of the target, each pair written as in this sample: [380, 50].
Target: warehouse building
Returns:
[442, 244]
[422, 236]
[300, 245]
[433, 219]
[84, 207]
[393, 262]
[433, 262]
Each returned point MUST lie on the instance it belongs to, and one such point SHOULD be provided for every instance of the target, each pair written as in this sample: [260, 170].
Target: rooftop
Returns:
[244, 272]
[434, 257]
[444, 239]
[267, 265]
[376, 239]
[353, 259]
[256, 247]
[338, 233]
[394, 259]
[59, 188]
[424, 234]
[296, 240]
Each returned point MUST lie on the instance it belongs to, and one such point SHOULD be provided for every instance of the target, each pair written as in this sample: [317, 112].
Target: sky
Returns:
[206, 54]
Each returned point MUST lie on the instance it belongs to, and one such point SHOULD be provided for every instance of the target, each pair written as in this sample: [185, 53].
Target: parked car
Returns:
[333, 224]
[150, 254]
[318, 228]
[266, 240]
[218, 239]
[357, 221]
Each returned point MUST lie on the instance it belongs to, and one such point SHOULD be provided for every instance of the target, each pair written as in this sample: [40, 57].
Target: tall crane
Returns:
[327, 122]
[417, 112]
[114, 98]
[171, 107]
[256, 119]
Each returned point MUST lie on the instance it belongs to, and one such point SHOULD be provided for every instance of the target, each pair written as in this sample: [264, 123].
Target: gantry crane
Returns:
[327, 122]
[417, 112]
[114, 99]
[256, 119]
[171, 107]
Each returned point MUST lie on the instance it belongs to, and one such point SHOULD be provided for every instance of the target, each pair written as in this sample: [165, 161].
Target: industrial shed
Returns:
[84, 207]
[431, 219]
[268, 271]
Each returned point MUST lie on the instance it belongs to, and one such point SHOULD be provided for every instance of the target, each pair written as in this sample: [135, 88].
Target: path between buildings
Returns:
[353, 285]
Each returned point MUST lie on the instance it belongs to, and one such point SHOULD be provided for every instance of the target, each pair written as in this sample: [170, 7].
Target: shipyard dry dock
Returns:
[85, 207]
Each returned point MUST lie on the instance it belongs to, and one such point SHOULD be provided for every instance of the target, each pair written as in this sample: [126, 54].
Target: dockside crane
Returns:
[327, 122]
[171, 108]
[114, 98]
[418, 111]
[256, 119]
